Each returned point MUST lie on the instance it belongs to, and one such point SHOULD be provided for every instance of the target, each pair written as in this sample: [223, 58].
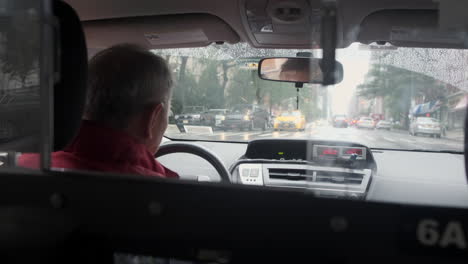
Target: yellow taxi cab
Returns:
[290, 120]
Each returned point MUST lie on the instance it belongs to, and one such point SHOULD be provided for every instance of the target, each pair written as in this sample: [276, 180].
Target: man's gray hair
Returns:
[123, 81]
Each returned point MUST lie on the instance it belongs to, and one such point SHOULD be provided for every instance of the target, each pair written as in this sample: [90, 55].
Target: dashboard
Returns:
[399, 176]
[326, 153]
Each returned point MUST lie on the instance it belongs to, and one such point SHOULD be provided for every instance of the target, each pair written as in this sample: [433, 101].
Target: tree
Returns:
[399, 87]
[211, 91]
[446, 65]
[240, 89]
[181, 81]
[226, 66]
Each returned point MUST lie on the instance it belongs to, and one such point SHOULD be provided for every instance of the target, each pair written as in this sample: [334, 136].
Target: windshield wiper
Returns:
[424, 150]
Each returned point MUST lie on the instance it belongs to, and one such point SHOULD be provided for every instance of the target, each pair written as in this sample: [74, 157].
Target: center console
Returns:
[326, 168]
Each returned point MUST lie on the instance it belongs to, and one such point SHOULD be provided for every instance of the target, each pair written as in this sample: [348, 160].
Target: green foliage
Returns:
[240, 88]
[223, 84]
[398, 87]
[183, 93]
[209, 88]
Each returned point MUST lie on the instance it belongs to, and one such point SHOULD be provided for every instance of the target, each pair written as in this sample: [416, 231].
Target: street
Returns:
[394, 139]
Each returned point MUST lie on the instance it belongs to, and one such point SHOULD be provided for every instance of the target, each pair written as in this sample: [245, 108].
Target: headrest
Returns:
[70, 91]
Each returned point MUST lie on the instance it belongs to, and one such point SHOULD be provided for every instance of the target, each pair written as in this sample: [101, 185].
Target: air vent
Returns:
[339, 177]
[290, 174]
[323, 181]
[316, 176]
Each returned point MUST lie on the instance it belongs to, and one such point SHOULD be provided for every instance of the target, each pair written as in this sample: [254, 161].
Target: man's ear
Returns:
[152, 119]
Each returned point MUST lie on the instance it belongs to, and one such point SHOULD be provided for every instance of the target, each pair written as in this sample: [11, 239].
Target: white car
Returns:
[427, 126]
[365, 122]
[383, 124]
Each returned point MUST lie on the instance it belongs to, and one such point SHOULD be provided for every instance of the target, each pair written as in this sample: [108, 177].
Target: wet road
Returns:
[394, 139]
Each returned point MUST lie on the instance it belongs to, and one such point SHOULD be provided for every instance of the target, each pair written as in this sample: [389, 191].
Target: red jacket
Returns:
[99, 148]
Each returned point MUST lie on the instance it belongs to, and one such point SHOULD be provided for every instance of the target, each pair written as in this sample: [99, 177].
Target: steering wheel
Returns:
[199, 151]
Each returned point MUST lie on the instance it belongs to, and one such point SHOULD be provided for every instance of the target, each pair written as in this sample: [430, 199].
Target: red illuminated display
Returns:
[327, 152]
[334, 153]
[353, 151]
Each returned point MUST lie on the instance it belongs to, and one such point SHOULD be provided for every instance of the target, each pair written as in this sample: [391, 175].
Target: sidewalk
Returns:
[455, 134]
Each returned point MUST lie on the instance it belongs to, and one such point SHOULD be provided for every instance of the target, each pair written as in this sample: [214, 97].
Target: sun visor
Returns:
[410, 28]
[175, 31]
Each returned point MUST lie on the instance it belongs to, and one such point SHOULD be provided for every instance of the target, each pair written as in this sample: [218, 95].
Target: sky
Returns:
[355, 67]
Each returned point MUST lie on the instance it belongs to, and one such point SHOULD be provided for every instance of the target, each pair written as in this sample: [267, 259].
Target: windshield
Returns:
[399, 85]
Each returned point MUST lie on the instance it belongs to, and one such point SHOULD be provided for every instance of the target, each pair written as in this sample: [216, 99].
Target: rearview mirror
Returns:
[296, 70]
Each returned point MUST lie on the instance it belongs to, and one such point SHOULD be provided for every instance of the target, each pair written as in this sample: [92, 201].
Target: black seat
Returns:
[70, 91]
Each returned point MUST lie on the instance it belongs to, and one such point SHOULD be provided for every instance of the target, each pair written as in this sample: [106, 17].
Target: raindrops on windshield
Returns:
[396, 85]
[229, 52]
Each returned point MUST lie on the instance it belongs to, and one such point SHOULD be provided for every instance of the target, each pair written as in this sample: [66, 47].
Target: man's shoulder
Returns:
[159, 171]
[67, 160]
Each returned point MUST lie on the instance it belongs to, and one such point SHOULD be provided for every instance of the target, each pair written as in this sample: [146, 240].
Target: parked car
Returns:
[425, 125]
[365, 122]
[290, 120]
[213, 117]
[340, 121]
[191, 115]
[247, 116]
[353, 121]
[384, 124]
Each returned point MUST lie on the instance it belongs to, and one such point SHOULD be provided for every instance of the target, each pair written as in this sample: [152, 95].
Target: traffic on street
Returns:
[374, 138]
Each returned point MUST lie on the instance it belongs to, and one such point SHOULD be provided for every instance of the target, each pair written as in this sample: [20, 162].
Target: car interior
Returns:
[257, 199]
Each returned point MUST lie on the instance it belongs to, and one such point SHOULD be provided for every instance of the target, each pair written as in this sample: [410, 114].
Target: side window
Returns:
[20, 111]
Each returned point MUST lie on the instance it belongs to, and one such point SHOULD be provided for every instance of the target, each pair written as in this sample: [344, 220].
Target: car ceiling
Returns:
[189, 23]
